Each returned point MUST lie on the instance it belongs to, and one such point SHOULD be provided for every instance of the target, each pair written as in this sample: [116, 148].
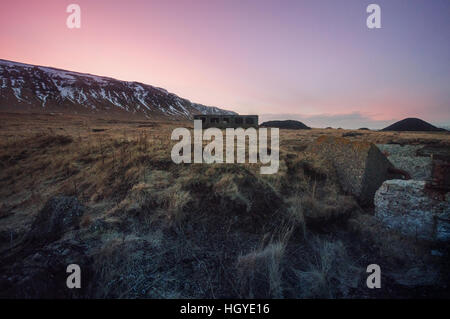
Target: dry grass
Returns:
[129, 267]
[259, 273]
[329, 273]
[157, 229]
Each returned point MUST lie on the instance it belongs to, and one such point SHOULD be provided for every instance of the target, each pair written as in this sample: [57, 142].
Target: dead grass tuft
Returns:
[329, 273]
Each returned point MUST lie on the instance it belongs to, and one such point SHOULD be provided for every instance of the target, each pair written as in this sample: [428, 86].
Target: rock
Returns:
[59, 215]
[405, 158]
[399, 150]
[360, 166]
[407, 207]
[419, 168]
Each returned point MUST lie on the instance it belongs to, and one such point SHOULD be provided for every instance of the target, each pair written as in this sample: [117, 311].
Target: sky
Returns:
[311, 60]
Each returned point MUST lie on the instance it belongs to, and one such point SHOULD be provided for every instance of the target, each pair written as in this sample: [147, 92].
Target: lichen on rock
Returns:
[407, 207]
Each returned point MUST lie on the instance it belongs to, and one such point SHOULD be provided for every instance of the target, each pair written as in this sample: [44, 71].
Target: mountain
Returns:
[31, 88]
[412, 124]
[288, 124]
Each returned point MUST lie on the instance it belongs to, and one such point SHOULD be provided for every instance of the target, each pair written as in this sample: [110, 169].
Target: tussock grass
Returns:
[329, 273]
[128, 267]
[161, 230]
[259, 272]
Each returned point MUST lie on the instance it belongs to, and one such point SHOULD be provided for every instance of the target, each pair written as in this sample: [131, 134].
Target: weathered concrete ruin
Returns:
[440, 177]
[408, 207]
[224, 121]
[406, 157]
[418, 208]
[360, 166]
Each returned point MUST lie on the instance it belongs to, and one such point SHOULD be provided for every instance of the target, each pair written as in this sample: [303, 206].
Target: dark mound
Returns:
[413, 124]
[288, 124]
[352, 134]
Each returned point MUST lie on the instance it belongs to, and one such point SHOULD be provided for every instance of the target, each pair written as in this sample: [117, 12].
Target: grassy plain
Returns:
[155, 229]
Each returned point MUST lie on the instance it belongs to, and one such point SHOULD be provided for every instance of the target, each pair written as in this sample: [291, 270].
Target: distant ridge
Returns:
[413, 124]
[288, 124]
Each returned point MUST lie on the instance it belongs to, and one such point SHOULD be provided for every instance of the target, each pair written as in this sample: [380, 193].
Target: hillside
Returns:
[288, 124]
[412, 124]
[31, 88]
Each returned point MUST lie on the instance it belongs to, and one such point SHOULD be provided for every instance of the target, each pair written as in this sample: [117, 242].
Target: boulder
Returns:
[59, 215]
[408, 207]
[360, 166]
[406, 158]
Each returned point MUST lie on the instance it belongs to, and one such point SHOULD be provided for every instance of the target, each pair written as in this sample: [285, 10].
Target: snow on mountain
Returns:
[31, 88]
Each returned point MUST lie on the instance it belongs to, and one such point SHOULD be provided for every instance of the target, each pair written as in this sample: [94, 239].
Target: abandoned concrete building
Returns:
[224, 121]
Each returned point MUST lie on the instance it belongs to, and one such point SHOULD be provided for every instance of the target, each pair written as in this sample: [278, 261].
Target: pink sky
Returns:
[297, 58]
